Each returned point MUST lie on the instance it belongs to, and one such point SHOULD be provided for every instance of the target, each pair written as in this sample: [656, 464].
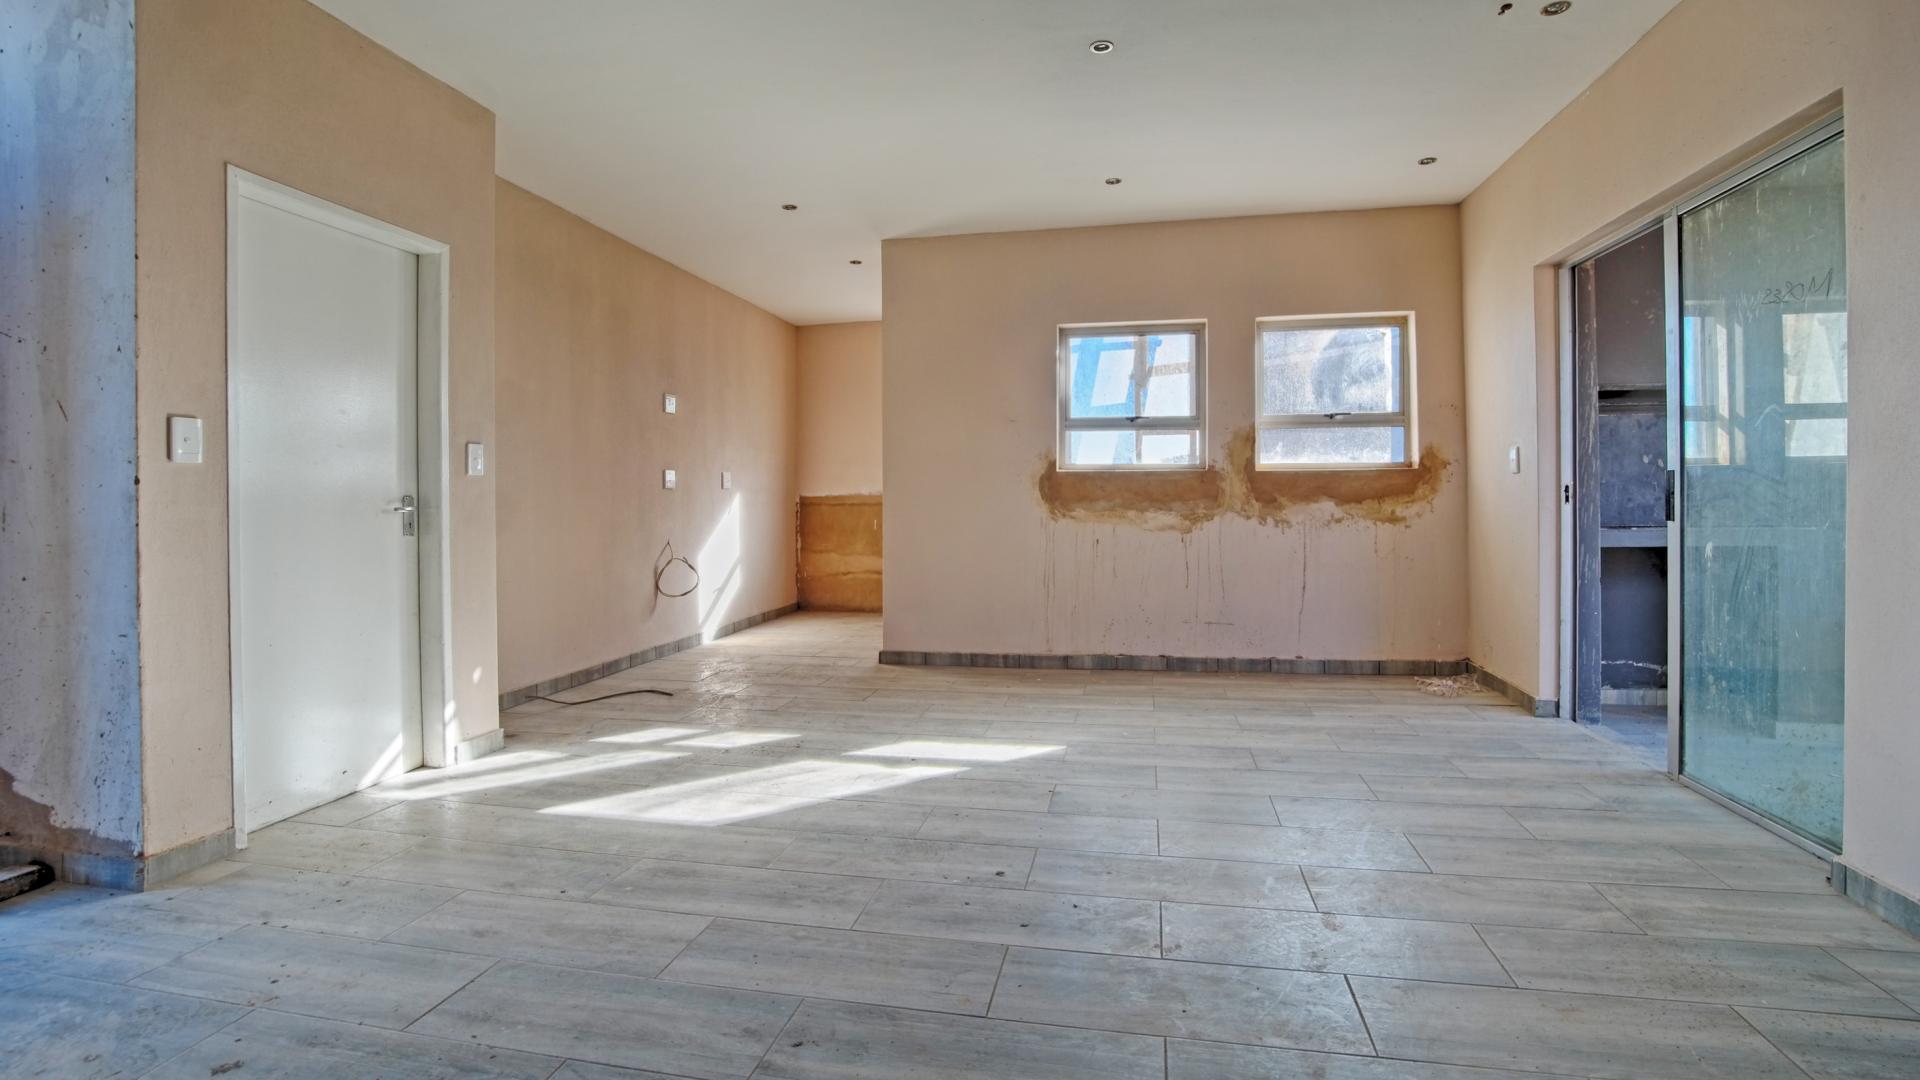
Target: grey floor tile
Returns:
[966, 791]
[1364, 848]
[1341, 761]
[836, 1041]
[502, 868]
[1898, 973]
[1665, 827]
[1161, 877]
[1050, 771]
[1125, 835]
[1298, 1009]
[344, 811]
[565, 933]
[1688, 969]
[913, 860]
[1397, 817]
[742, 892]
[1161, 803]
[1781, 868]
[1470, 792]
[1561, 860]
[1453, 898]
[1311, 941]
[336, 978]
[1191, 1060]
[297, 900]
[845, 965]
[676, 1028]
[1610, 1038]
[846, 816]
[266, 1045]
[728, 844]
[1331, 785]
[321, 847]
[582, 1070]
[60, 1027]
[1016, 917]
[1843, 1047]
[1119, 753]
[1790, 918]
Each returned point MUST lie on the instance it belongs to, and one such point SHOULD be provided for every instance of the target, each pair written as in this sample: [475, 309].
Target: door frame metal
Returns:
[433, 482]
[1668, 220]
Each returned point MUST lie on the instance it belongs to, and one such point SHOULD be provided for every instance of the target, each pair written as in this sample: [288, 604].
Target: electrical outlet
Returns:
[476, 459]
[668, 480]
[670, 403]
[184, 440]
[726, 480]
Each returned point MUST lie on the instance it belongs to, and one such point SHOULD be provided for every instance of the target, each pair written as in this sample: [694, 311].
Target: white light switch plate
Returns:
[668, 480]
[476, 459]
[671, 403]
[184, 445]
[726, 480]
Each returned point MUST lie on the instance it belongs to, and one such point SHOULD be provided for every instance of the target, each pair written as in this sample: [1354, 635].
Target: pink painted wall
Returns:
[974, 562]
[839, 379]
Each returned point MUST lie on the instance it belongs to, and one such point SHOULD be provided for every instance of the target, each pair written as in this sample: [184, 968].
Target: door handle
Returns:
[406, 511]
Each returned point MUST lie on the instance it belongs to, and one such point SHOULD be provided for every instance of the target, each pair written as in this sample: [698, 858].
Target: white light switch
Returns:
[726, 480]
[668, 480]
[670, 403]
[183, 440]
[476, 459]
[1513, 458]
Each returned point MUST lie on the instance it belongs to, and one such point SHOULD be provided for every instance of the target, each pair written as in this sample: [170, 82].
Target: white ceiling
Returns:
[682, 125]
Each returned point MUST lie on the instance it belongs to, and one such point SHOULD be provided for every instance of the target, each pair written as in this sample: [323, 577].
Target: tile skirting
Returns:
[1883, 900]
[549, 687]
[479, 746]
[1142, 662]
[1536, 706]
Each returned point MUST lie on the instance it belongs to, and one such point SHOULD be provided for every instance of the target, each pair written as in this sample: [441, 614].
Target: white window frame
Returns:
[1404, 417]
[1063, 388]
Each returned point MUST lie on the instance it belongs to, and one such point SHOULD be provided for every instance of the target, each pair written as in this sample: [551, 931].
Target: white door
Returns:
[326, 639]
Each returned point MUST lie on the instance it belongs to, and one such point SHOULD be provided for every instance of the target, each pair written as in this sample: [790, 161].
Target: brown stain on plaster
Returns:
[840, 542]
[28, 824]
[1183, 501]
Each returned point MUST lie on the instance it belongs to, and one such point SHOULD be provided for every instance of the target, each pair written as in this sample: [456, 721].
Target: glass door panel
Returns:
[1762, 514]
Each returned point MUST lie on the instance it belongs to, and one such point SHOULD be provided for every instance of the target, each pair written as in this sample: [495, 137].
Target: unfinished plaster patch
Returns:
[28, 825]
[1184, 500]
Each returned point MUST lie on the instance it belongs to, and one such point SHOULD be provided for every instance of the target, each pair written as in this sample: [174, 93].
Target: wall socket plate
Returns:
[726, 480]
[670, 403]
[668, 480]
[476, 459]
[185, 441]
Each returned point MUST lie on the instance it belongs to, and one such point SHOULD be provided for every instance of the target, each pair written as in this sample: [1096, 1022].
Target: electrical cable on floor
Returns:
[657, 576]
[604, 697]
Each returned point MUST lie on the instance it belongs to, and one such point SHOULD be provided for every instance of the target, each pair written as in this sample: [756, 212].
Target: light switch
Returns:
[671, 403]
[726, 480]
[184, 445]
[476, 459]
[668, 480]
[1513, 459]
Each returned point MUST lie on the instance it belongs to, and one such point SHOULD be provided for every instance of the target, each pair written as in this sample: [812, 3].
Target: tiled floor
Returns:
[804, 866]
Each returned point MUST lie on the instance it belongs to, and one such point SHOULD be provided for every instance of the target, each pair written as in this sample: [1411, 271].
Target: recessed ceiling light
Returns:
[1428, 160]
[1112, 180]
[1101, 47]
[1557, 7]
[788, 206]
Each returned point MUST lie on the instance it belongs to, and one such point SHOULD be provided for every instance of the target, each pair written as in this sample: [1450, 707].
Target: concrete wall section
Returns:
[840, 409]
[592, 333]
[69, 639]
[283, 90]
[988, 550]
[1714, 82]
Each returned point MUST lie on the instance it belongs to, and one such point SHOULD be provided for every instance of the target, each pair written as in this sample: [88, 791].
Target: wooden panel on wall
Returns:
[839, 540]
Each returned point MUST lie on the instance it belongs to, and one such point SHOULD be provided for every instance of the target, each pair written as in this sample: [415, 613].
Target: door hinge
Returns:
[1566, 494]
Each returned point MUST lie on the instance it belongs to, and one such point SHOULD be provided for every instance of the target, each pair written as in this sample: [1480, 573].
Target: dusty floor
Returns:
[805, 866]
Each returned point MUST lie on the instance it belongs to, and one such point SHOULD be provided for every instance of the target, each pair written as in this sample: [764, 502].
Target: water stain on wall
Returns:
[839, 539]
[1184, 500]
[28, 826]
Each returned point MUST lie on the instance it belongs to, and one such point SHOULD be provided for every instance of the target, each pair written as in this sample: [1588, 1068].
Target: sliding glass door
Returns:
[1762, 431]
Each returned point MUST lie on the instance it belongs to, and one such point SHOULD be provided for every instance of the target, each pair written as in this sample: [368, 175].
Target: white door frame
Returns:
[436, 590]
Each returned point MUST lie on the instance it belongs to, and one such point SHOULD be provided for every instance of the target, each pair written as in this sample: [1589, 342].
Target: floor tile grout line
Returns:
[1755, 1028]
[1365, 1025]
[1475, 927]
[245, 1011]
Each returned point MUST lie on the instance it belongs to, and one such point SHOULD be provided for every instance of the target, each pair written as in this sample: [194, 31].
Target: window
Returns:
[1333, 392]
[1133, 397]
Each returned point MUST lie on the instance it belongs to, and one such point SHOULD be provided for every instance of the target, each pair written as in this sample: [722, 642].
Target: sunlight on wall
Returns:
[719, 571]
[387, 764]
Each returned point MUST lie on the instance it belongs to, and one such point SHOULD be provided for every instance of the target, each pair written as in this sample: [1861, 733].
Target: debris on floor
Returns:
[1448, 685]
[15, 880]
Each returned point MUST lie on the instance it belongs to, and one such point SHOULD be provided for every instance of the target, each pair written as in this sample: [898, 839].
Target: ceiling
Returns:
[684, 125]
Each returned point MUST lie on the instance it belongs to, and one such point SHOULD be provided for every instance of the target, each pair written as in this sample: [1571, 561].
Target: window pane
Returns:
[1101, 448]
[1329, 370]
[1101, 372]
[1817, 437]
[1169, 448]
[1815, 348]
[1169, 375]
[1345, 445]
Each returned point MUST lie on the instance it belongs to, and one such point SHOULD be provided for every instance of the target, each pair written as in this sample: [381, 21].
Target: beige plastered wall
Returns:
[592, 333]
[283, 90]
[1713, 83]
[976, 562]
[839, 449]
